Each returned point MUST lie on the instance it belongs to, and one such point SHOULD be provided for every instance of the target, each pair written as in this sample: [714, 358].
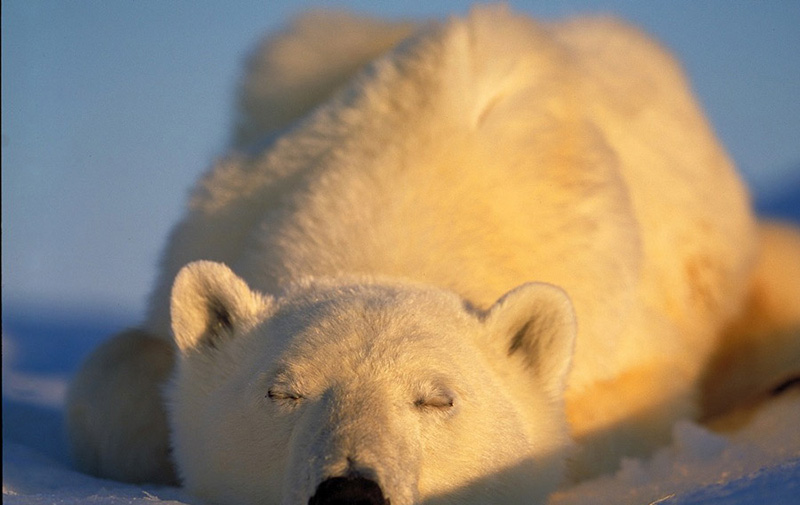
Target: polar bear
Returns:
[436, 256]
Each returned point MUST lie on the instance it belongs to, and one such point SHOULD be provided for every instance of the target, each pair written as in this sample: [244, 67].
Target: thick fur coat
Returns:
[396, 212]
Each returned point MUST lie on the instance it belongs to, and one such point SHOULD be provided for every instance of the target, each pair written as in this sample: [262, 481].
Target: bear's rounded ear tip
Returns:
[199, 269]
[536, 321]
[208, 301]
[558, 296]
[536, 293]
[554, 303]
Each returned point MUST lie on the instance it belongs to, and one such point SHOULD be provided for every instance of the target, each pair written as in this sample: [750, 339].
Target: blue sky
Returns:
[111, 109]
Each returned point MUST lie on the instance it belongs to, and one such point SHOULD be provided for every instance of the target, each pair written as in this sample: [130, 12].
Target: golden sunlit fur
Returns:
[377, 213]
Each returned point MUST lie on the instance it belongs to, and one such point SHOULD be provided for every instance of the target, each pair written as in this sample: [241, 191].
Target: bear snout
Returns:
[348, 491]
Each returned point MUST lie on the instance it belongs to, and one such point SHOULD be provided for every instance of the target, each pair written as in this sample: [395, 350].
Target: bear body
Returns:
[393, 321]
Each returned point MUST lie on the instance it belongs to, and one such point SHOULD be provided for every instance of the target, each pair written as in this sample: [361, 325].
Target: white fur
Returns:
[297, 68]
[393, 381]
[378, 239]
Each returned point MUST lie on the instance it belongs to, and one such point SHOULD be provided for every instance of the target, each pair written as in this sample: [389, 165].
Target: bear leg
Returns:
[115, 416]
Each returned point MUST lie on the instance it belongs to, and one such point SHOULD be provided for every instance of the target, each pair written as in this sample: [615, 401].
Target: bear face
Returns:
[397, 391]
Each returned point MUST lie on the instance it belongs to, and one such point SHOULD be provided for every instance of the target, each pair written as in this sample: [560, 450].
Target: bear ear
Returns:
[536, 322]
[209, 302]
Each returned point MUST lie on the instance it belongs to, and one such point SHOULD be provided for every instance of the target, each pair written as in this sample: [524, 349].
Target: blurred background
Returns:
[111, 109]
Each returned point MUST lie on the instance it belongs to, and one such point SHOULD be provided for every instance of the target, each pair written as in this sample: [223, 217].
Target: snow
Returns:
[759, 463]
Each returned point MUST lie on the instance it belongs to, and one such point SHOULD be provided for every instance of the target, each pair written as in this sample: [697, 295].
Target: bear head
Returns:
[367, 391]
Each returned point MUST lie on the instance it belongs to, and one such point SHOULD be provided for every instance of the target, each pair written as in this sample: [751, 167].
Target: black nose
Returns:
[348, 491]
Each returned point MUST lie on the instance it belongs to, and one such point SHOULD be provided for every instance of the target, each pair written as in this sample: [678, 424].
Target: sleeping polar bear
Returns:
[451, 263]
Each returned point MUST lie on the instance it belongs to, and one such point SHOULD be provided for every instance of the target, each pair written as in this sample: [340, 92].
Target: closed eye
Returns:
[435, 396]
[440, 401]
[279, 395]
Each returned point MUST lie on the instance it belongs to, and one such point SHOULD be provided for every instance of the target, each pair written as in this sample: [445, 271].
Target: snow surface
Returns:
[759, 464]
